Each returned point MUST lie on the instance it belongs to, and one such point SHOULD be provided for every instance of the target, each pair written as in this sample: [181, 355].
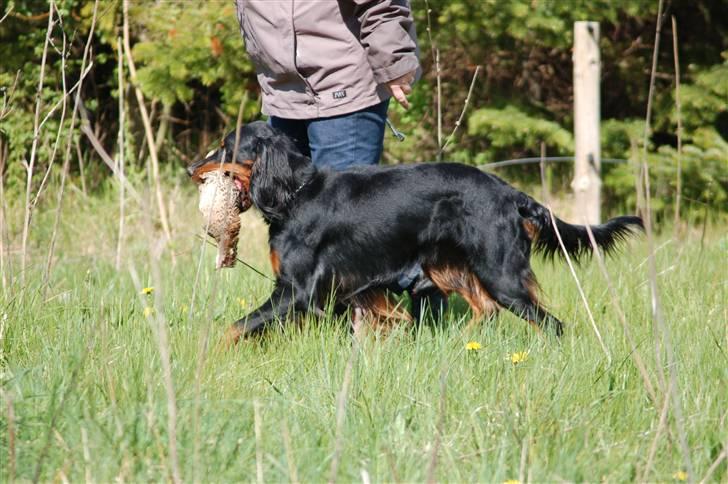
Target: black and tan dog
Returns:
[353, 233]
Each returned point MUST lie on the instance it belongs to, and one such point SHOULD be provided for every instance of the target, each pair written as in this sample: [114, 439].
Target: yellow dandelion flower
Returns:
[243, 303]
[680, 476]
[512, 481]
[147, 291]
[148, 311]
[184, 308]
[518, 357]
[473, 346]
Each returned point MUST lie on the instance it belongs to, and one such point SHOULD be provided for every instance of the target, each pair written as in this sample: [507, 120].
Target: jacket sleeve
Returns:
[387, 32]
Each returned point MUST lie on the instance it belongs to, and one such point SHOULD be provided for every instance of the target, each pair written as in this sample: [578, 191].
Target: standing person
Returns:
[327, 70]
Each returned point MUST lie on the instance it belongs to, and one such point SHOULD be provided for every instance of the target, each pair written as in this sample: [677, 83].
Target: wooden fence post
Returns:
[587, 164]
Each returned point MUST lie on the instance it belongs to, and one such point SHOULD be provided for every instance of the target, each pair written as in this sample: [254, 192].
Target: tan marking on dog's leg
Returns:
[449, 278]
[275, 262]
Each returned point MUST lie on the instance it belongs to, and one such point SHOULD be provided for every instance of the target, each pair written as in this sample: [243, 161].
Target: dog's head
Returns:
[265, 164]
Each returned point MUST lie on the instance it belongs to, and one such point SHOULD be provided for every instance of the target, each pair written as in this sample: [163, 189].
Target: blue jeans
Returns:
[341, 141]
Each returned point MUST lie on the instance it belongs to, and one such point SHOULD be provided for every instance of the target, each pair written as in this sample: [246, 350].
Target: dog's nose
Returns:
[191, 169]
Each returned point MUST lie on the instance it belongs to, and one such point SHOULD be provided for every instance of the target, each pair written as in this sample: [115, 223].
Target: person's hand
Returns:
[400, 87]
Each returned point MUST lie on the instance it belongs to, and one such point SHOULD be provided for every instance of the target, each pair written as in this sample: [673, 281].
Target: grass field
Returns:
[85, 397]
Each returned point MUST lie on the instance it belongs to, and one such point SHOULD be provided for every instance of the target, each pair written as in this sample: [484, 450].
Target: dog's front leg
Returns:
[276, 308]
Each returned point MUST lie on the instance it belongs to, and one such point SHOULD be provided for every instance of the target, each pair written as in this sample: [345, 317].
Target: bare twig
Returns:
[578, 286]
[661, 330]
[7, 13]
[435, 52]
[86, 128]
[462, 113]
[147, 126]
[29, 166]
[61, 102]
[52, 157]
[678, 180]
[4, 230]
[69, 143]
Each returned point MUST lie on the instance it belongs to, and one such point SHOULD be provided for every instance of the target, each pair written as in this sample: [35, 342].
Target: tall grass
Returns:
[84, 393]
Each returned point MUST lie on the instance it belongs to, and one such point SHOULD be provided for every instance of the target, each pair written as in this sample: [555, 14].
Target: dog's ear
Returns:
[273, 181]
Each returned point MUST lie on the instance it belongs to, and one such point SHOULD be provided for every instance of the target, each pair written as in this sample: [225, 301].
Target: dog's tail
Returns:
[539, 226]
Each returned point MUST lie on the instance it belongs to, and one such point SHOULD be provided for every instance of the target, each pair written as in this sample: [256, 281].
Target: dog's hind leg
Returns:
[517, 292]
[457, 278]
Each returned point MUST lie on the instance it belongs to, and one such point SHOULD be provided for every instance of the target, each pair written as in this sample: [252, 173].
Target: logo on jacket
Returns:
[339, 94]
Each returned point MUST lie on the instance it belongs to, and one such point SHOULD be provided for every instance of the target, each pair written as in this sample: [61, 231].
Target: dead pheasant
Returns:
[219, 204]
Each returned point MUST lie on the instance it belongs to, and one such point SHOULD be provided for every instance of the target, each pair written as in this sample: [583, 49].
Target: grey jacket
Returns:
[321, 58]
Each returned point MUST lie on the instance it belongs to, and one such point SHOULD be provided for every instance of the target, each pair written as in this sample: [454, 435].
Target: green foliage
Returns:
[192, 66]
[511, 129]
[184, 46]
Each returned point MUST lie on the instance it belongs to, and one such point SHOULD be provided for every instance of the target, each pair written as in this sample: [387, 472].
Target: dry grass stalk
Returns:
[3, 219]
[30, 165]
[341, 412]
[121, 148]
[524, 461]
[662, 423]
[69, 143]
[662, 335]
[238, 124]
[159, 328]
[258, 428]
[678, 180]
[439, 104]
[721, 457]
[432, 466]
[86, 455]
[292, 471]
[542, 170]
[579, 287]
[147, 127]
[10, 425]
[614, 299]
